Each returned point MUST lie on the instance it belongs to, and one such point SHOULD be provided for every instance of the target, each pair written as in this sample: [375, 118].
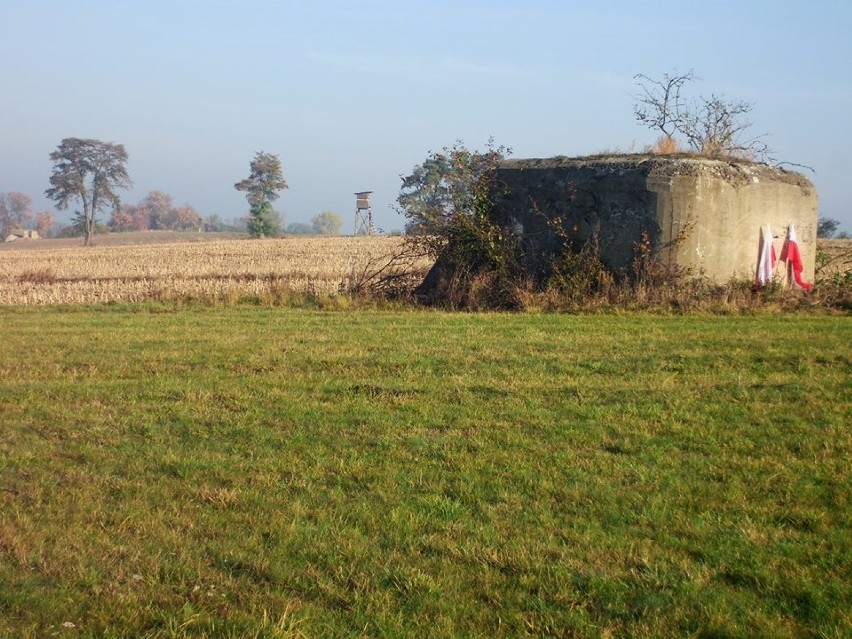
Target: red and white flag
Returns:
[791, 254]
[765, 258]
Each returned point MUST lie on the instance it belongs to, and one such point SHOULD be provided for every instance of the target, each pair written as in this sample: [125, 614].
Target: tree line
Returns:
[89, 174]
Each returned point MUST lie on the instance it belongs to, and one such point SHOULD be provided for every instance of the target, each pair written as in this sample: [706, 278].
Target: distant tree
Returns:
[188, 218]
[44, 223]
[327, 223]
[74, 229]
[158, 207]
[275, 222]
[141, 218]
[236, 225]
[213, 224]
[122, 219]
[90, 171]
[260, 221]
[828, 228]
[14, 211]
[261, 186]
[711, 126]
[299, 228]
[77, 228]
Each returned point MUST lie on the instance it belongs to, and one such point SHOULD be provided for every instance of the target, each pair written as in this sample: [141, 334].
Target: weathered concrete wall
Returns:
[700, 214]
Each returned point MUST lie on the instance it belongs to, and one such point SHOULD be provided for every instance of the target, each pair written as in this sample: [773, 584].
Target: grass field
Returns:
[257, 472]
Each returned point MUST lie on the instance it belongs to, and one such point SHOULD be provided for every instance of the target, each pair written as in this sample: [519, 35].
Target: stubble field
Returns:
[149, 266]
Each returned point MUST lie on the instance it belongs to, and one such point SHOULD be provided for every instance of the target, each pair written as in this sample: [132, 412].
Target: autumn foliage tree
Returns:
[91, 172]
[155, 212]
[184, 218]
[261, 186]
[125, 219]
[157, 207]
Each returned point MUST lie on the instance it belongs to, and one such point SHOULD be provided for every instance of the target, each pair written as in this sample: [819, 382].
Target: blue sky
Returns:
[352, 95]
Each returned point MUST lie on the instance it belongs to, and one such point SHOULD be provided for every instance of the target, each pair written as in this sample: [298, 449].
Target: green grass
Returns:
[255, 472]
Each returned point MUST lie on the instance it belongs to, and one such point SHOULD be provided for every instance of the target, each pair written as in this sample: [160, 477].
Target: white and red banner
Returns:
[765, 258]
[791, 254]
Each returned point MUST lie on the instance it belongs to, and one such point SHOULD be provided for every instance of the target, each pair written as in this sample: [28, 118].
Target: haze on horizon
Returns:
[352, 95]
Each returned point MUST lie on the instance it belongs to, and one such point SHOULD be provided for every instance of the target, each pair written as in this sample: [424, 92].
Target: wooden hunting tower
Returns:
[363, 214]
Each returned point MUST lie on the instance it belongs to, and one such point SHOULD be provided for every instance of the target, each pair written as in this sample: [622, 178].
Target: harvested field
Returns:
[834, 257]
[36, 273]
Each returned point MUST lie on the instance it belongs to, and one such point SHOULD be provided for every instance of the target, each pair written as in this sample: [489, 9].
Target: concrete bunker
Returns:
[701, 215]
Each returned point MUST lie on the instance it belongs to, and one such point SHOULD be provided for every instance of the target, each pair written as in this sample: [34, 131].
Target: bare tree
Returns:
[91, 171]
[659, 105]
[715, 127]
[711, 126]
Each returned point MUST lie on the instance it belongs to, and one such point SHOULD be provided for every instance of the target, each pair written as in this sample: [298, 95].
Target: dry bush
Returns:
[580, 282]
[665, 145]
[393, 275]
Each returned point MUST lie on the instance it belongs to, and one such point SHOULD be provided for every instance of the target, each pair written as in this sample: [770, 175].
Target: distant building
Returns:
[22, 234]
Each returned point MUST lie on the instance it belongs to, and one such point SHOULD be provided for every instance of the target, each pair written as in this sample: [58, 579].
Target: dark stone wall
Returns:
[611, 201]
